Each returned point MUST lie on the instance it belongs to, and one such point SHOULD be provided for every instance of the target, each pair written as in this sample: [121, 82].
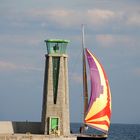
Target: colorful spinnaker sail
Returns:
[99, 107]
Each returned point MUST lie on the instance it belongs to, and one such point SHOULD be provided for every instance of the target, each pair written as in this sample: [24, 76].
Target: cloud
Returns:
[98, 20]
[55, 17]
[133, 19]
[63, 17]
[100, 16]
[20, 39]
[136, 71]
[75, 78]
[9, 66]
[68, 17]
[92, 17]
[105, 40]
[125, 41]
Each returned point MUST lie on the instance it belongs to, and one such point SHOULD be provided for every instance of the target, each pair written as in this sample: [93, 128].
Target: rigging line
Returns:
[74, 65]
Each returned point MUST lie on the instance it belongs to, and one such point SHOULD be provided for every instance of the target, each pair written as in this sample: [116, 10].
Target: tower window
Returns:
[56, 48]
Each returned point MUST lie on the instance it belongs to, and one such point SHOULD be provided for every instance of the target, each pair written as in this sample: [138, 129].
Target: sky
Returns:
[112, 33]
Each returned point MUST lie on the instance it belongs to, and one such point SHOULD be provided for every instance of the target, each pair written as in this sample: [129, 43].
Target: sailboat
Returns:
[97, 109]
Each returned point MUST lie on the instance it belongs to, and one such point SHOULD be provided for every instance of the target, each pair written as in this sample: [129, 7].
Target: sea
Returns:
[116, 132]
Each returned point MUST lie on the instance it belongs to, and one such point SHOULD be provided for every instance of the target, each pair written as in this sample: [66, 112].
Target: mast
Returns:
[85, 87]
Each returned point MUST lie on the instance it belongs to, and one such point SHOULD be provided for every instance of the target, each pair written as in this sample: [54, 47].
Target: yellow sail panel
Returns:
[97, 106]
[99, 110]
[109, 98]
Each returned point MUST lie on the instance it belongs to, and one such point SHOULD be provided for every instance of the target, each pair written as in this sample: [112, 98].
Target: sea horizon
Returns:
[117, 131]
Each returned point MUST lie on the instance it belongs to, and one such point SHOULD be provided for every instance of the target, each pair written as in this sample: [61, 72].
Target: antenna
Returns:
[83, 36]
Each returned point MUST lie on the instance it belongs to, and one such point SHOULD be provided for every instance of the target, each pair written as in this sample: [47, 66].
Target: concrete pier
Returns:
[27, 131]
[9, 127]
[29, 136]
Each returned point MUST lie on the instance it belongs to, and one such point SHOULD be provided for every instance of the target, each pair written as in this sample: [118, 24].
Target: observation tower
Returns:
[55, 108]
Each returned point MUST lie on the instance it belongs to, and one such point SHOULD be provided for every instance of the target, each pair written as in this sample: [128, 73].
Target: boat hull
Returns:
[91, 137]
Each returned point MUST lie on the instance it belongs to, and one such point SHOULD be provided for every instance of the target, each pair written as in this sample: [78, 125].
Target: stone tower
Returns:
[55, 109]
